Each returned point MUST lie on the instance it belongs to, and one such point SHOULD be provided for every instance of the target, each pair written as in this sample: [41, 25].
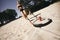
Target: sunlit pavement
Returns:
[22, 29]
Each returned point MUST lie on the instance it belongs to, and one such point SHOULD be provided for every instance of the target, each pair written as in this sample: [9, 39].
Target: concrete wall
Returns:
[52, 12]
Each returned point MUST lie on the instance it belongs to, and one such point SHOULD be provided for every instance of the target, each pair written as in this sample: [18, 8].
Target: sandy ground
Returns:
[22, 29]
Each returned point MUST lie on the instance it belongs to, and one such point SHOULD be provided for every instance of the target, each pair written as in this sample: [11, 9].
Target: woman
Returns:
[26, 6]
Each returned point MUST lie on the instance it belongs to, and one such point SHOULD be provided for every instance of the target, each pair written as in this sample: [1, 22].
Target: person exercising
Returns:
[26, 6]
[29, 6]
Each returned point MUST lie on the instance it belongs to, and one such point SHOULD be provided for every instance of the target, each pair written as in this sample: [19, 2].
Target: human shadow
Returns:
[45, 24]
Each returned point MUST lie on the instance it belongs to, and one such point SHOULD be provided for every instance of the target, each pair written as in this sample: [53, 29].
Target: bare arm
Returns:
[24, 12]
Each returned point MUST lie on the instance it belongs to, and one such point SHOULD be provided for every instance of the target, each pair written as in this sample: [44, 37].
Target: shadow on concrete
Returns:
[45, 24]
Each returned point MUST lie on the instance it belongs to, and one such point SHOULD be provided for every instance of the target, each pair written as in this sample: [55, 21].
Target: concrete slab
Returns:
[22, 29]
